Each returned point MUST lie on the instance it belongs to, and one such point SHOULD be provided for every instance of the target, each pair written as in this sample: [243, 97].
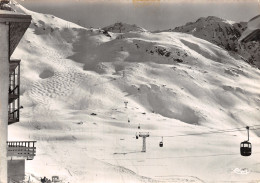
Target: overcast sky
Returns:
[158, 16]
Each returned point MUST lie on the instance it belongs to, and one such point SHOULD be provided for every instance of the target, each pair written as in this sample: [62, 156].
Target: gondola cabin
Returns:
[245, 148]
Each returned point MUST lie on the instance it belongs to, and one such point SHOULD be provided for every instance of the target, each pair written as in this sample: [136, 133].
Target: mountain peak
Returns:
[213, 19]
[120, 27]
[210, 18]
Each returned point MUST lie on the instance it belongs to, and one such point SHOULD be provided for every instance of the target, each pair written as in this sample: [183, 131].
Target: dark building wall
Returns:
[16, 170]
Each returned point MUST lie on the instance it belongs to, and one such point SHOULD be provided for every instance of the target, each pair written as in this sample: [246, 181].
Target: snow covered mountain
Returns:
[225, 34]
[74, 85]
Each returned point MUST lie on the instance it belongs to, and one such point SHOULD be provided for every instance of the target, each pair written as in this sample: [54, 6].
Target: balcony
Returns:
[14, 91]
[13, 116]
[21, 149]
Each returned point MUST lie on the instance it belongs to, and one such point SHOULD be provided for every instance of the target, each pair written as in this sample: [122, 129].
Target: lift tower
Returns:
[144, 135]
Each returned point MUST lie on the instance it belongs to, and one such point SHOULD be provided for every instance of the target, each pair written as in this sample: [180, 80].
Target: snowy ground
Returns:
[175, 85]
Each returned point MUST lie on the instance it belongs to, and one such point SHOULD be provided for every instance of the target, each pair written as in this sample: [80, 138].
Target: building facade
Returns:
[12, 154]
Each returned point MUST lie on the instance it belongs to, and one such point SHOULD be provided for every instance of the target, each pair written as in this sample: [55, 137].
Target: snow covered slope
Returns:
[74, 85]
[225, 34]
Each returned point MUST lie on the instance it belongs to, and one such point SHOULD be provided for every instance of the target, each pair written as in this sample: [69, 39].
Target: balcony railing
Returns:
[21, 149]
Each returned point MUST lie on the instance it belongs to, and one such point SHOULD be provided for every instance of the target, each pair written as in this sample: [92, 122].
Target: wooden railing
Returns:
[24, 149]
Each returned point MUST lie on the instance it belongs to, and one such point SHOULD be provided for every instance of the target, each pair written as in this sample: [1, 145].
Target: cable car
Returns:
[136, 136]
[139, 126]
[161, 143]
[246, 146]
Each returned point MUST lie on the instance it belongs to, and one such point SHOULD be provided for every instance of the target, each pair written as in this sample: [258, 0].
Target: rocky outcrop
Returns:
[224, 33]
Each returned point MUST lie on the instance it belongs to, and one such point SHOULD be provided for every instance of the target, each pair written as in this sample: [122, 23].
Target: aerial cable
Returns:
[213, 132]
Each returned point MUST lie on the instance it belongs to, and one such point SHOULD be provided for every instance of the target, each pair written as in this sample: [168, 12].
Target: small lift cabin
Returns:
[12, 153]
[246, 146]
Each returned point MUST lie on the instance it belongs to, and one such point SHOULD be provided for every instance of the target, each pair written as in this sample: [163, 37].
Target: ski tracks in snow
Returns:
[65, 79]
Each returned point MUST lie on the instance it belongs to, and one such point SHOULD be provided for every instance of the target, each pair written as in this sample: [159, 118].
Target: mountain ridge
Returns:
[225, 34]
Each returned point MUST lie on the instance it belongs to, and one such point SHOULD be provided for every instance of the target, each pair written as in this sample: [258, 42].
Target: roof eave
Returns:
[18, 24]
